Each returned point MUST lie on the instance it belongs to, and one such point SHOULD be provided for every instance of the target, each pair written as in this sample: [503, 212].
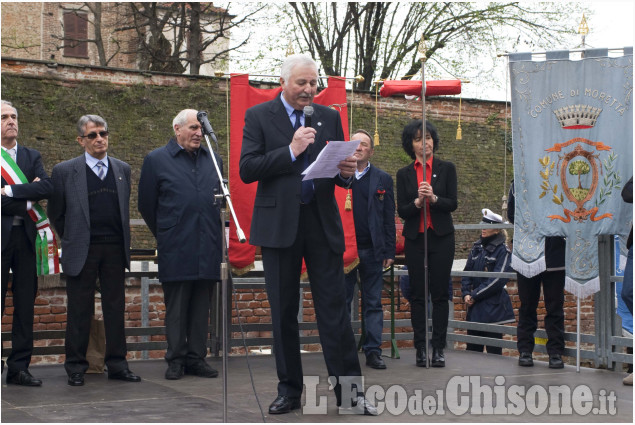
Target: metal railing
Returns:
[607, 342]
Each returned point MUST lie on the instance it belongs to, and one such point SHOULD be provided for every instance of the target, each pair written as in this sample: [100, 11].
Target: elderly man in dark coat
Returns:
[176, 200]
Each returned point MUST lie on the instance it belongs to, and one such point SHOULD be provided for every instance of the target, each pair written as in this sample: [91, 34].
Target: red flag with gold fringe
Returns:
[413, 87]
[243, 97]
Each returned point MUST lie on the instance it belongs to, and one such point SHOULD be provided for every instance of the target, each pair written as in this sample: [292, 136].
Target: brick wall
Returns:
[253, 307]
[139, 107]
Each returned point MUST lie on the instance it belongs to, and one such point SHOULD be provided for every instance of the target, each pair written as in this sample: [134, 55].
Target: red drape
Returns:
[413, 87]
[243, 96]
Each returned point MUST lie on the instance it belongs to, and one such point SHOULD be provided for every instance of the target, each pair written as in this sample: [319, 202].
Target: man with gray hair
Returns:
[176, 199]
[19, 193]
[295, 219]
[90, 212]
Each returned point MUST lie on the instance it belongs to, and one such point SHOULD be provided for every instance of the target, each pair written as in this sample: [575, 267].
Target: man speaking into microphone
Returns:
[293, 220]
[176, 200]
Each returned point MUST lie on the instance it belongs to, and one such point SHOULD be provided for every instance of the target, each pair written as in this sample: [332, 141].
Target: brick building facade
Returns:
[51, 31]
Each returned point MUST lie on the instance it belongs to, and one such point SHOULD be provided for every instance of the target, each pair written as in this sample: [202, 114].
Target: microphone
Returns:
[206, 126]
[308, 112]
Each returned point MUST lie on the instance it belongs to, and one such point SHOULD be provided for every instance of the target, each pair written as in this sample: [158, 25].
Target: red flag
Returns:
[413, 87]
[243, 96]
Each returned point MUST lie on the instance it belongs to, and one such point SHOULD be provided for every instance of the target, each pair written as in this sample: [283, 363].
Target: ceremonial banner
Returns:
[243, 97]
[572, 131]
[413, 87]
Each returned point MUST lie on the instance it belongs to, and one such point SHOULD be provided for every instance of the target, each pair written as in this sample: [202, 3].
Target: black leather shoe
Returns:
[284, 404]
[23, 377]
[76, 379]
[125, 375]
[555, 361]
[438, 359]
[175, 371]
[201, 369]
[422, 357]
[375, 361]
[525, 360]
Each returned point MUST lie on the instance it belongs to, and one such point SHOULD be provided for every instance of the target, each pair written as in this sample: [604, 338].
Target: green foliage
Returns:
[140, 120]
[611, 180]
[579, 167]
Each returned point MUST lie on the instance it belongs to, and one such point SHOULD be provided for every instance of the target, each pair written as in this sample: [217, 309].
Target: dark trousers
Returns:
[553, 294]
[479, 347]
[440, 258]
[187, 306]
[19, 257]
[372, 283]
[282, 268]
[106, 262]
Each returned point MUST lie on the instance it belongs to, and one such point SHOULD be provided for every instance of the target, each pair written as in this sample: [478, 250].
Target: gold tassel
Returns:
[348, 205]
[290, 50]
[459, 132]
[376, 141]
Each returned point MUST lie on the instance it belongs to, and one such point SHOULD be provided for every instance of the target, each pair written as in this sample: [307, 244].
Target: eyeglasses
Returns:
[93, 135]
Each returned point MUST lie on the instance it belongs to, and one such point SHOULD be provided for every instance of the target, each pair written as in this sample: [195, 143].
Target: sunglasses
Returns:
[93, 135]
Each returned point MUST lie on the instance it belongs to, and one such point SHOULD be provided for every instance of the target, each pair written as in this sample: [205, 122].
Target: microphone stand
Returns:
[422, 52]
[224, 269]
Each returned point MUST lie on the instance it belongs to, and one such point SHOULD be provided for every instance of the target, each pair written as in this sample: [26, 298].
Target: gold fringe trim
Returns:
[244, 270]
[350, 267]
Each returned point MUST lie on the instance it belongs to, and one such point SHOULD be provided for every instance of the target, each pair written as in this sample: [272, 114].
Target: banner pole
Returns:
[422, 52]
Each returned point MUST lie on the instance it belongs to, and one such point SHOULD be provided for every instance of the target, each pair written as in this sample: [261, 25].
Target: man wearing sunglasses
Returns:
[90, 212]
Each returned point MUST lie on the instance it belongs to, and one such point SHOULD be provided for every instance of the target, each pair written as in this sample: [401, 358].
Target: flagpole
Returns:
[223, 74]
[422, 52]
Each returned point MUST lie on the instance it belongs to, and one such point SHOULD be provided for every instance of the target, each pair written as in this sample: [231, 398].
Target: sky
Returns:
[610, 25]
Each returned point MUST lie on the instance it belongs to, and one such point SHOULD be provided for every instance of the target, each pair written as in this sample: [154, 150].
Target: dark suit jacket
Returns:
[444, 185]
[178, 206]
[265, 158]
[30, 162]
[68, 209]
[381, 213]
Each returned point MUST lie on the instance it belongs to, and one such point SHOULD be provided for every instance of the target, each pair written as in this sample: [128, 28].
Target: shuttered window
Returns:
[75, 28]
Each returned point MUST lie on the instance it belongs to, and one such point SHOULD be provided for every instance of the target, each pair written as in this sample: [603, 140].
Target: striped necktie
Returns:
[101, 170]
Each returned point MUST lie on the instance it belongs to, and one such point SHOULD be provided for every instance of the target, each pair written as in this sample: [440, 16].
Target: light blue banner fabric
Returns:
[572, 131]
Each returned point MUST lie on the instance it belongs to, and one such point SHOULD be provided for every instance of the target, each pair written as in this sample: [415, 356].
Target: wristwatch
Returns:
[435, 199]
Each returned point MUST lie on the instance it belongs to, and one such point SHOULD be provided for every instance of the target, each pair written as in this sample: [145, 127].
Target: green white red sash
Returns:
[47, 259]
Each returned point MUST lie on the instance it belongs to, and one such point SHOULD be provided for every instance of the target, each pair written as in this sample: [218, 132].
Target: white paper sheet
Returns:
[325, 165]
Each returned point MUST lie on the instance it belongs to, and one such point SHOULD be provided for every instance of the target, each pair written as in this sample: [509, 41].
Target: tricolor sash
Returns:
[47, 259]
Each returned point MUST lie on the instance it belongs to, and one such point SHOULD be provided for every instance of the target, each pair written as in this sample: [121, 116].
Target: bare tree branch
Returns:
[381, 38]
